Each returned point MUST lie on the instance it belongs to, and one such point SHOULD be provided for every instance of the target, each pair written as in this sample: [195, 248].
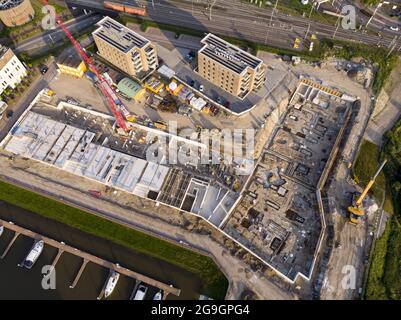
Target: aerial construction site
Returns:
[218, 150]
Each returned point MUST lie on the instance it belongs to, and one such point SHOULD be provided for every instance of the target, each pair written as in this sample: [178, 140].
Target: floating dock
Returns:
[87, 257]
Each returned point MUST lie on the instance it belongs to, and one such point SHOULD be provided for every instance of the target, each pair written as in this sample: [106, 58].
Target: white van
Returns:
[141, 292]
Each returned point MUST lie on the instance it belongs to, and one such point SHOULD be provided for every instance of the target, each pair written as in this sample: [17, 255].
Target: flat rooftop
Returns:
[119, 36]
[75, 150]
[228, 55]
[6, 55]
[69, 58]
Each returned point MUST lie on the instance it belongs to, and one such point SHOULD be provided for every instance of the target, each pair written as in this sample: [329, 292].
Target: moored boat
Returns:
[111, 283]
[33, 255]
[158, 296]
[141, 292]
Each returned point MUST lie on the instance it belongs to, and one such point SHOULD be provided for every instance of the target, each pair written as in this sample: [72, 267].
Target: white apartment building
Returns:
[12, 71]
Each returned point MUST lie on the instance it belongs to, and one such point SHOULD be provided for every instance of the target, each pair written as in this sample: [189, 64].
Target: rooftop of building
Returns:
[5, 55]
[9, 4]
[119, 36]
[69, 58]
[228, 55]
[129, 87]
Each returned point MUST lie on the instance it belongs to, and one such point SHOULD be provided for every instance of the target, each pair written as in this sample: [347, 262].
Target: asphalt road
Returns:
[27, 97]
[56, 36]
[233, 18]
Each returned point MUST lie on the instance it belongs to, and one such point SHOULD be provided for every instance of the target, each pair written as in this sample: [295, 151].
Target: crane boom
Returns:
[370, 184]
[116, 106]
[356, 210]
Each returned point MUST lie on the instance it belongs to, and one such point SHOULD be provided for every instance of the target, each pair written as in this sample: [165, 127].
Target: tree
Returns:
[371, 2]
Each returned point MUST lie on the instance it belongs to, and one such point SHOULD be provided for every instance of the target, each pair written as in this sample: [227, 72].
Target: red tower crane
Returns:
[115, 104]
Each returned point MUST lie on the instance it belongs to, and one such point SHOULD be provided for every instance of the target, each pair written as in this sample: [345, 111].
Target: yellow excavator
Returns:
[356, 210]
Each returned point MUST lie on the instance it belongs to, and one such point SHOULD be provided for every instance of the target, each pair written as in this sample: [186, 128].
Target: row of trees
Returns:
[9, 95]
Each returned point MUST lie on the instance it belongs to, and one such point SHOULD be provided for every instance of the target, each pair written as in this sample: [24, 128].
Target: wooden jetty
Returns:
[87, 257]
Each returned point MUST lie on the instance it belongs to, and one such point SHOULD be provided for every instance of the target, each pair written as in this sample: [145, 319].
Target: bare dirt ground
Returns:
[387, 110]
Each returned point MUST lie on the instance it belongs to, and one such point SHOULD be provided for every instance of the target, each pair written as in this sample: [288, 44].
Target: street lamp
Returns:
[274, 10]
[310, 14]
[210, 7]
[374, 12]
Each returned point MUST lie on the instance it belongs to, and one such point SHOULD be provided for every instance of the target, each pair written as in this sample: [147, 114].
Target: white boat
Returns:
[1, 230]
[158, 296]
[141, 292]
[33, 255]
[111, 283]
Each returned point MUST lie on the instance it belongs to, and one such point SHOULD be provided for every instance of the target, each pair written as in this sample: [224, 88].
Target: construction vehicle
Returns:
[356, 211]
[297, 42]
[117, 108]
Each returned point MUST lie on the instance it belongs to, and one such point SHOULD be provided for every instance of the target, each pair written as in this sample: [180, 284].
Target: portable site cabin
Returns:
[131, 89]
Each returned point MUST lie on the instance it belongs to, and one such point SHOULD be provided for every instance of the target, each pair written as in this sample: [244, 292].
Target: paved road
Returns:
[56, 36]
[236, 19]
[40, 83]
[379, 21]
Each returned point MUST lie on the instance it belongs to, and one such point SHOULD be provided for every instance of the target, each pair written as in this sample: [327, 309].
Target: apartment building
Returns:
[230, 68]
[125, 49]
[12, 71]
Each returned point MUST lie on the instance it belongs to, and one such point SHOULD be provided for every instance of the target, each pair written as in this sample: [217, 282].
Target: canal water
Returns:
[19, 283]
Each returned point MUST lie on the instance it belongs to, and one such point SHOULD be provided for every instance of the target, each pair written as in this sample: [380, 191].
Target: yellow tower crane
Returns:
[356, 210]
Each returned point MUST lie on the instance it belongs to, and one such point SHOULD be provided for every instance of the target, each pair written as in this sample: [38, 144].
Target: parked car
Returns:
[192, 83]
[72, 101]
[43, 68]
[394, 28]
[201, 88]
[9, 114]
[227, 104]
[219, 101]
[189, 57]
